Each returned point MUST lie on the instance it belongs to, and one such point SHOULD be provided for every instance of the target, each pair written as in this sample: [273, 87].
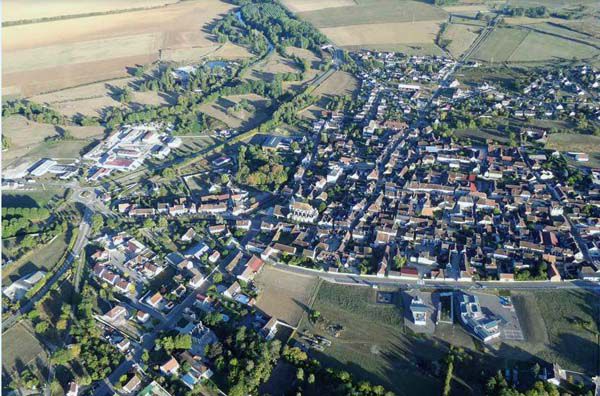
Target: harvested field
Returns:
[461, 37]
[48, 56]
[20, 348]
[18, 10]
[313, 5]
[409, 49]
[340, 83]
[573, 142]
[375, 11]
[223, 109]
[383, 33]
[274, 64]
[466, 8]
[216, 51]
[284, 295]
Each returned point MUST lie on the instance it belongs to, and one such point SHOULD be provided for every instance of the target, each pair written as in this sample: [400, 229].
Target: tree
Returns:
[217, 278]
[41, 327]
[315, 315]
[300, 374]
[311, 378]
[162, 222]
[168, 173]
[97, 223]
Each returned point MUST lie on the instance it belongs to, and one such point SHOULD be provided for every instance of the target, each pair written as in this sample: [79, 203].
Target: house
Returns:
[153, 389]
[269, 330]
[142, 316]
[251, 268]
[303, 212]
[117, 314]
[170, 367]
[132, 385]
[198, 250]
[198, 369]
[189, 235]
[73, 389]
[155, 301]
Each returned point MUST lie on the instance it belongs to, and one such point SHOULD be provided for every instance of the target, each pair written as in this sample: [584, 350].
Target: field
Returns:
[42, 57]
[373, 345]
[383, 33]
[18, 10]
[20, 348]
[573, 346]
[42, 258]
[339, 83]
[523, 45]
[283, 295]
[573, 142]
[91, 99]
[224, 110]
[374, 24]
[461, 37]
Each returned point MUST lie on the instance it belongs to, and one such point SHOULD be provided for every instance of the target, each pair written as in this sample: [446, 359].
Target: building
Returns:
[42, 167]
[154, 389]
[19, 288]
[73, 389]
[483, 327]
[303, 212]
[170, 367]
[419, 311]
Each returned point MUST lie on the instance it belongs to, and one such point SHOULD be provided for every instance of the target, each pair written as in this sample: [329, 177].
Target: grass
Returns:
[573, 142]
[19, 348]
[373, 345]
[572, 345]
[523, 45]
[43, 258]
[30, 199]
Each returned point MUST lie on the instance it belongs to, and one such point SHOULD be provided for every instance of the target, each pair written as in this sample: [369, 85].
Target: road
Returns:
[148, 340]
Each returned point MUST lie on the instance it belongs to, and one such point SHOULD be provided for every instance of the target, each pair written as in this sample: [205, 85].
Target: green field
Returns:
[522, 45]
[20, 348]
[574, 346]
[42, 258]
[374, 11]
[373, 345]
[30, 199]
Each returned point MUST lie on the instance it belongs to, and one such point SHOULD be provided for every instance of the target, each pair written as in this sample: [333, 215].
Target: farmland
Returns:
[284, 296]
[524, 45]
[376, 24]
[53, 55]
[460, 38]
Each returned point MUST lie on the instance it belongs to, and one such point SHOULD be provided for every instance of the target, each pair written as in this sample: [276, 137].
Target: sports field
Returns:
[20, 348]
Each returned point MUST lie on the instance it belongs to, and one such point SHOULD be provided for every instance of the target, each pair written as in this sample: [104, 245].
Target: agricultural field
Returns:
[383, 33]
[272, 65]
[284, 295]
[313, 5]
[524, 45]
[229, 111]
[375, 24]
[48, 56]
[22, 10]
[21, 348]
[460, 38]
[373, 344]
[572, 322]
[339, 83]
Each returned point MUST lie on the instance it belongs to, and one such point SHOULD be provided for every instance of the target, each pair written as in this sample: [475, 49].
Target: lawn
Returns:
[373, 345]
